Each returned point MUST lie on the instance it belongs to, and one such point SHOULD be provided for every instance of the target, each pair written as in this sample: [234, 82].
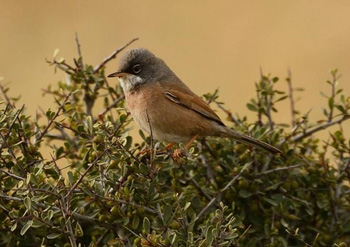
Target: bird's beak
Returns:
[117, 74]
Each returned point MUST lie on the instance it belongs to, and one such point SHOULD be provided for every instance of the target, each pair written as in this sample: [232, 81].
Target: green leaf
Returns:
[70, 177]
[26, 227]
[331, 102]
[188, 204]
[53, 235]
[59, 152]
[14, 226]
[245, 193]
[135, 221]
[167, 214]
[55, 53]
[146, 225]
[50, 214]
[78, 230]
[252, 107]
[27, 203]
[209, 235]
[89, 124]
[272, 202]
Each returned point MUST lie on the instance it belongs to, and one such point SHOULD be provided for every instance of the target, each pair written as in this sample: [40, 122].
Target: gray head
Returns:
[140, 66]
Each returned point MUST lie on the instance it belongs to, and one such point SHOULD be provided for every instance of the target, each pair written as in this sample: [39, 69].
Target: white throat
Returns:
[128, 82]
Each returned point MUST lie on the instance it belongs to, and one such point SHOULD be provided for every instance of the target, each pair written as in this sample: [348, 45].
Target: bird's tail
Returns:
[240, 137]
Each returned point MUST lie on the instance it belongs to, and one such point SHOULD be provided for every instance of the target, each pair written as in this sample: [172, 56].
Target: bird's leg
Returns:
[170, 145]
[188, 144]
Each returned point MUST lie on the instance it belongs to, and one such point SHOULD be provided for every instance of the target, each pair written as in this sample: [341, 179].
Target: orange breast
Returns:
[169, 121]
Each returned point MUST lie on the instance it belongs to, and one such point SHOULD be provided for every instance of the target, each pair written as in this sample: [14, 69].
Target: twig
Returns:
[204, 210]
[11, 125]
[199, 188]
[229, 114]
[278, 169]
[90, 167]
[12, 175]
[319, 128]
[147, 209]
[333, 85]
[60, 108]
[78, 47]
[5, 95]
[291, 98]
[85, 173]
[111, 106]
[245, 231]
[151, 133]
[112, 56]
[64, 209]
[24, 173]
[75, 215]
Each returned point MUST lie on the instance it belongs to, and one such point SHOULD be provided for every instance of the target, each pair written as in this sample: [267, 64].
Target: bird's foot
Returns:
[178, 154]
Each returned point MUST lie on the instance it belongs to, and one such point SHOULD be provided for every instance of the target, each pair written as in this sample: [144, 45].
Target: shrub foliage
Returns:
[97, 187]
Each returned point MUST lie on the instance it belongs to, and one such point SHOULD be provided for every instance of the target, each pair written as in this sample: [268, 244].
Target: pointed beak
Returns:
[117, 74]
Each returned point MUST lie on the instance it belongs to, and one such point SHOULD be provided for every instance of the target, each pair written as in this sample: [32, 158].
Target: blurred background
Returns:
[210, 45]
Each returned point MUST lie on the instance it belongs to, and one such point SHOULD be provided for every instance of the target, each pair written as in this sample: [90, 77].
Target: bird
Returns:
[164, 106]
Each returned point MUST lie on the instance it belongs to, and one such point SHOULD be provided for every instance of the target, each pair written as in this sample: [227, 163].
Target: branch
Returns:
[12, 175]
[78, 46]
[114, 103]
[11, 125]
[24, 173]
[89, 168]
[291, 98]
[5, 95]
[151, 137]
[112, 56]
[68, 223]
[319, 128]
[278, 169]
[229, 114]
[54, 117]
[204, 210]
[75, 215]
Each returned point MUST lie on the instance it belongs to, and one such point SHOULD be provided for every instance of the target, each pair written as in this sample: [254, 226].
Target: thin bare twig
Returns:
[75, 215]
[245, 231]
[229, 114]
[78, 47]
[151, 133]
[68, 224]
[291, 98]
[5, 95]
[11, 125]
[24, 173]
[112, 56]
[12, 175]
[111, 106]
[319, 128]
[87, 170]
[335, 78]
[60, 108]
[278, 169]
[228, 185]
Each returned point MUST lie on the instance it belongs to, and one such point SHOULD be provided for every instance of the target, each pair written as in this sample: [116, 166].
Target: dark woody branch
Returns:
[113, 55]
[319, 128]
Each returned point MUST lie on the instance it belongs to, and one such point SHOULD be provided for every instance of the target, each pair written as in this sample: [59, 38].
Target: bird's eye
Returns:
[136, 68]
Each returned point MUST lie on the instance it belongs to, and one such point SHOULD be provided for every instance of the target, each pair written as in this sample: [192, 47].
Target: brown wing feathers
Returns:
[194, 103]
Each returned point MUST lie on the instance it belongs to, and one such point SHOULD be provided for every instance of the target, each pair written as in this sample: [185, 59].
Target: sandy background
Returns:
[209, 44]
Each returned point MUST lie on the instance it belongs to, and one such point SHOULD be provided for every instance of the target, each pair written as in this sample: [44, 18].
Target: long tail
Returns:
[249, 140]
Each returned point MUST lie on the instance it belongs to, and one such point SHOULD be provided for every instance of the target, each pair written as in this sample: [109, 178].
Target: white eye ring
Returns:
[136, 68]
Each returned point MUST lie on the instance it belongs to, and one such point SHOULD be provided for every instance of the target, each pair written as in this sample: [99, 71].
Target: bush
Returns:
[98, 188]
